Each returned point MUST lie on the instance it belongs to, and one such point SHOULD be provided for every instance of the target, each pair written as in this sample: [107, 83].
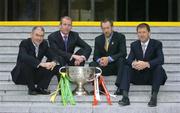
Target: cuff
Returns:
[110, 59]
[98, 60]
[84, 58]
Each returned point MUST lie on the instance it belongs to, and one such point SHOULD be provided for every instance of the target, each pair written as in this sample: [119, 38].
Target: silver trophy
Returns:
[81, 75]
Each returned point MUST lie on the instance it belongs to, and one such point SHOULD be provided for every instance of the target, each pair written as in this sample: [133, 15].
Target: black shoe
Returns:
[152, 102]
[124, 102]
[43, 91]
[32, 92]
[118, 92]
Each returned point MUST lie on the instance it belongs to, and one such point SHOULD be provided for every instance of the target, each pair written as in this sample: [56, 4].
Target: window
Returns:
[90, 10]
[2, 10]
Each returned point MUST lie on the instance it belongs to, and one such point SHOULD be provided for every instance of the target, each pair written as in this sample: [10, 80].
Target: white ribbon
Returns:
[96, 85]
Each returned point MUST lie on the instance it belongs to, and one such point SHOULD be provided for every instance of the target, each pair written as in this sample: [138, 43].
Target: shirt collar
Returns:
[146, 43]
[62, 34]
[109, 36]
[35, 45]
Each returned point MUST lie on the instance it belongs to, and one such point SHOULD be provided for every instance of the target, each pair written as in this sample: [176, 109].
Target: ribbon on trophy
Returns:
[64, 87]
[99, 80]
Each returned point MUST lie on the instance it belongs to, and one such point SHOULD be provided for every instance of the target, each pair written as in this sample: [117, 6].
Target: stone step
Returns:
[25, 92]
[13, 58]
[91, 35]
[138, 88]
[8, 107]
[172, 77]
[15, 43]
[7, 67]
[138, 98]
[109, 81]
[14, 51]
[27, 29]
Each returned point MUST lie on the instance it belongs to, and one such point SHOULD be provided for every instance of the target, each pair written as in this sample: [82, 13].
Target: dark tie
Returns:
[65, 42]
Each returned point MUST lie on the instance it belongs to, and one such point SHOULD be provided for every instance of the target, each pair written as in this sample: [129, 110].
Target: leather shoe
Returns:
[118, 92]
[124, 102]
[32, 92]
[43, 91]
[152, 102]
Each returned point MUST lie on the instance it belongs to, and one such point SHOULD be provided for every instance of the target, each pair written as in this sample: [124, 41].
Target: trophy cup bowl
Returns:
[80, 75]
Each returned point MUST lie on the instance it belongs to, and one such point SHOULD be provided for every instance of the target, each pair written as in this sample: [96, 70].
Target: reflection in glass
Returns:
[80, 10]
[2, 10]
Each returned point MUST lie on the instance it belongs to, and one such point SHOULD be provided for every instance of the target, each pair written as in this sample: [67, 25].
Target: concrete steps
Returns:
[88, 108]
[172, 77]
[14, 98]
[7, 67]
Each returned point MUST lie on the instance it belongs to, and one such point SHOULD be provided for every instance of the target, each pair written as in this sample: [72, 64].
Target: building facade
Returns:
[90, 10]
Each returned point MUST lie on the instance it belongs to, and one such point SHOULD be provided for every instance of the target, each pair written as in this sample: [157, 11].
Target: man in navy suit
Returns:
[110, 52]
[144, 65]
[63, 43]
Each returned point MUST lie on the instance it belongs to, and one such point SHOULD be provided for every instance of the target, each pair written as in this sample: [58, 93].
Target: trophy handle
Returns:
[60, 69]
[95, 75]
[100, 72]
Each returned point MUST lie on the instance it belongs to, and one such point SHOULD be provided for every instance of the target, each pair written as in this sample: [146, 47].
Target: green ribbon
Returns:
[66, 93]
[65, 89]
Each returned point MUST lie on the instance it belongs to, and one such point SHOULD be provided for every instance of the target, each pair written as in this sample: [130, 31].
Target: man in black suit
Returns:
[29, 69]
[110, 52]
[63, 43]
[144, 65]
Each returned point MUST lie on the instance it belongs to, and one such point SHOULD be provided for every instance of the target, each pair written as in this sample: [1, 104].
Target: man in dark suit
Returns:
[144, 65]
[29, 69]
[110, 52]
[63, 43]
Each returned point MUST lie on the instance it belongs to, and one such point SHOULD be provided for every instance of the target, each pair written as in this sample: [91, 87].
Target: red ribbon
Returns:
[101, 82]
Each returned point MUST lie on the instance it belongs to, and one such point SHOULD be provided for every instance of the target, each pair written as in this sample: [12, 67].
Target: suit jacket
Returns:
[58, 46]
[116, 49]
[27, 55]
[153, 54]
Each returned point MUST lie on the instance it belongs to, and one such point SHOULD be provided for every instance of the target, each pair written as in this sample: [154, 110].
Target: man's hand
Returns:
[48, 65]
[53, 65]
[77, 63]
[104, 61]
[140, 65]
[134, 64]
[78, 59]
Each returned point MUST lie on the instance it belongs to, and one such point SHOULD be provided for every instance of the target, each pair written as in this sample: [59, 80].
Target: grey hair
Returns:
[36, 27]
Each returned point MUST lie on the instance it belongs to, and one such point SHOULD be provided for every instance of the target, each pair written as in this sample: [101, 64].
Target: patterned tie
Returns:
[36, 50]
[106, 46]
[144, 49]
[65, 42]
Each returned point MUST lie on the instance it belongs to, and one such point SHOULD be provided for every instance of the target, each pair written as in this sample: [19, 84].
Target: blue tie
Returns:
[65, 42]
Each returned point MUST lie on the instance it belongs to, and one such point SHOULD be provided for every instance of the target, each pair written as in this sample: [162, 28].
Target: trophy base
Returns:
[80, 92]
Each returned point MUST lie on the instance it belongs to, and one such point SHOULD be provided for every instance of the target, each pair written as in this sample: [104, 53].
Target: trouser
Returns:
[63, 62]
[155, 77]
[39, 76]
[114, 68]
